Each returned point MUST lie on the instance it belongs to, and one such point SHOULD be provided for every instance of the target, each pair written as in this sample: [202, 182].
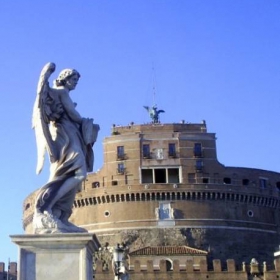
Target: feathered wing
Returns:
[147, 108]
[40, 118]
[40, 139]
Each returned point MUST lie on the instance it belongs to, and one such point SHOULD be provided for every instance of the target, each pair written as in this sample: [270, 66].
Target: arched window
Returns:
[169, 265]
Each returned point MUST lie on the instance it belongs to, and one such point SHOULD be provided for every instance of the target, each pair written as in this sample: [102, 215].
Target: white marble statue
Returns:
[68, 138]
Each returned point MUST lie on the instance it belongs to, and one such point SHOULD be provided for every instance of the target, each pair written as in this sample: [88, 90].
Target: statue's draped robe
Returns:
[73, 143]
[72, 153]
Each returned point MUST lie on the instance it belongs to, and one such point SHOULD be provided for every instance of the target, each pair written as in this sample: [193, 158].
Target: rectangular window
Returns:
[120, 152]
[160, 175]
[245, 182]
[120, 168]
[205, 178]
[227, 181]
[173, 175]
[263, 183]
[146, 151]
[95, 185]
[172, 150]
[197, 150]
[147, 176]
[199, 165]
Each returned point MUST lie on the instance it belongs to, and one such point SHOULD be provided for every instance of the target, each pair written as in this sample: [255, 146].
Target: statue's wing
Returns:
[160, 111]
[40, 118]
[147, 108]
[40, 139]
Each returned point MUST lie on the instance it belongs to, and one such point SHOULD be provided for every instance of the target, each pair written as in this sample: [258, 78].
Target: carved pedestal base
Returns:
[56, 256]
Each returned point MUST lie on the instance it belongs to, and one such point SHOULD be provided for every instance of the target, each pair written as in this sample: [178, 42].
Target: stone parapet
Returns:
[191, 271]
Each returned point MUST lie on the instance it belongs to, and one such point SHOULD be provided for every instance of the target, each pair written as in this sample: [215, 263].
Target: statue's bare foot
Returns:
[47, 223]
[73, 227]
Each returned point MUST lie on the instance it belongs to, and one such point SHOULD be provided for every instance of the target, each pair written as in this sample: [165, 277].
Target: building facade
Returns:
[162, 185]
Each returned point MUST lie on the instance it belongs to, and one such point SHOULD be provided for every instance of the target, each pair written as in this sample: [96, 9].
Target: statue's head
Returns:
[65, 75]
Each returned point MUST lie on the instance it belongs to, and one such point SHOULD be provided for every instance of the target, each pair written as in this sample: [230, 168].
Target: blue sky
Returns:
[208, 60]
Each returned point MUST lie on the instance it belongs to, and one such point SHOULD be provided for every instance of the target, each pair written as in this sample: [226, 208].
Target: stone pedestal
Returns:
[56, 256]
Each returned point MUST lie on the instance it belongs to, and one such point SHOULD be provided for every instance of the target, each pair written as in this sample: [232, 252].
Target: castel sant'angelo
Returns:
[163, 194]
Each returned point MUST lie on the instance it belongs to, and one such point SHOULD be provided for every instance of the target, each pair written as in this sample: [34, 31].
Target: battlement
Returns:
[190, 270]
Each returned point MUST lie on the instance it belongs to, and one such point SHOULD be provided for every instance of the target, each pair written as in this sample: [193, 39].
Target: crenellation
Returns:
[277, 265]
[203, 266]
[231, 265]
[162, 266]
[217, 265]
[189, 265]
[137, 266]
[150, 266]
[254, 268]
[176, 266]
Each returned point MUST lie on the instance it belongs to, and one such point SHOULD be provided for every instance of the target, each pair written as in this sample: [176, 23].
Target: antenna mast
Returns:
[153, 111]
[154, 86]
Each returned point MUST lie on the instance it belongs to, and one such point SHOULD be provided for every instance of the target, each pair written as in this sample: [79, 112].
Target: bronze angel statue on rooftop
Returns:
[68, 139]
[154, 113]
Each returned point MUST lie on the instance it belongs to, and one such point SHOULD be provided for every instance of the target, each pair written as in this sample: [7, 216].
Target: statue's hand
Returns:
[88, 119]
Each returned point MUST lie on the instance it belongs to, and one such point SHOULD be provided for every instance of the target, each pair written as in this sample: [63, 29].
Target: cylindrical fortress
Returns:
[161, 184]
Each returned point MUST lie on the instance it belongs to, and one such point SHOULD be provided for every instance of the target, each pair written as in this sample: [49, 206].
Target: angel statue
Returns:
[68, 139]
[154, 113]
